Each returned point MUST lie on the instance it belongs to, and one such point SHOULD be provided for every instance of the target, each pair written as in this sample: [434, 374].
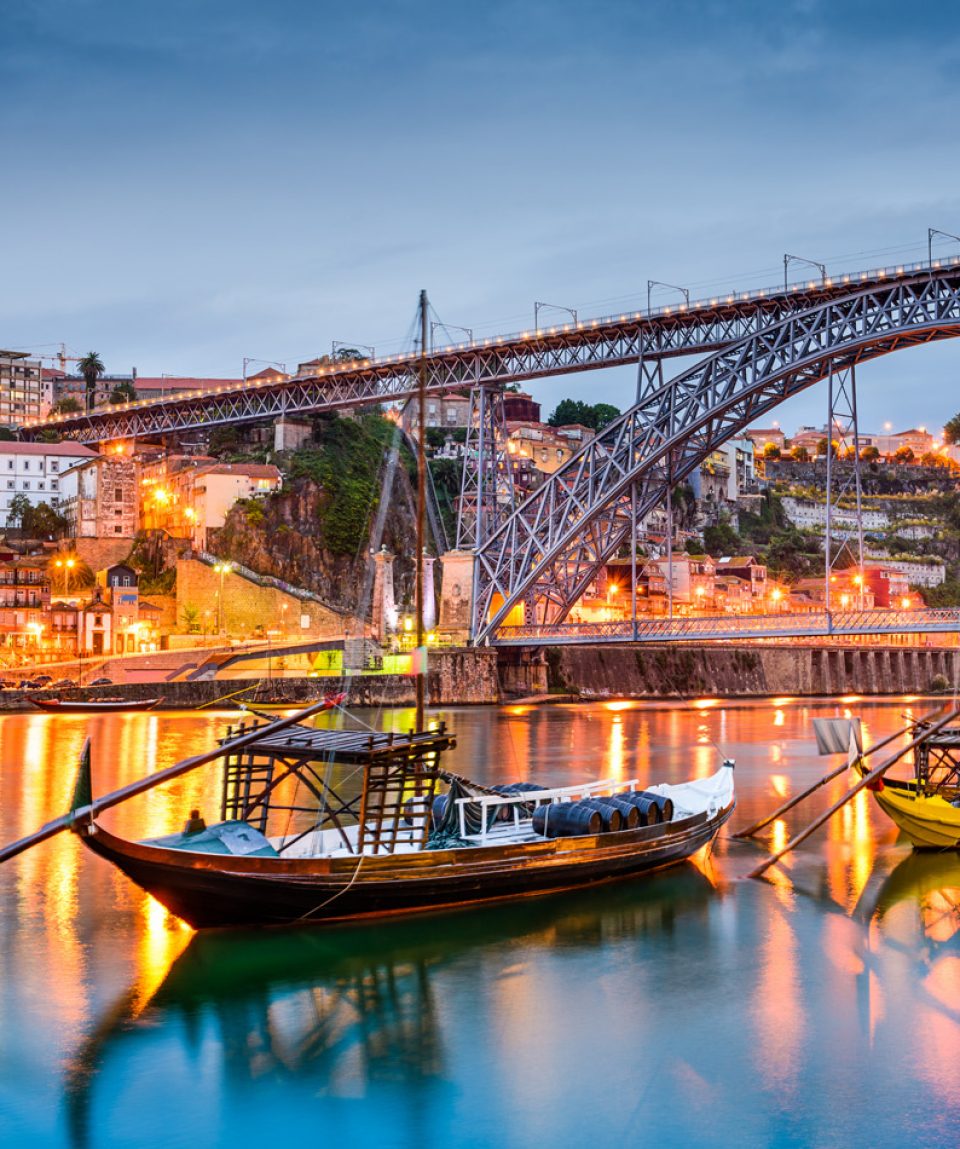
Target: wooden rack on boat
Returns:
[398, 782]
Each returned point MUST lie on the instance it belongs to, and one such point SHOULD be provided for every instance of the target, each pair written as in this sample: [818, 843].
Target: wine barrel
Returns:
[646, 804]
[612, 819]
[439, 808]
[666, 806]
[511, 790]
[566, 820]
[628, 812]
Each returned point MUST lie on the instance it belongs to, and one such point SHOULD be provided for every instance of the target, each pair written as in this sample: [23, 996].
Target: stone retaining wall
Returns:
[749, 670]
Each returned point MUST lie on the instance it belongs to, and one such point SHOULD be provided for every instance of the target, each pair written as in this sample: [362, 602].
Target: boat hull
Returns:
[214, 890]
[56, 706]
[929, 822]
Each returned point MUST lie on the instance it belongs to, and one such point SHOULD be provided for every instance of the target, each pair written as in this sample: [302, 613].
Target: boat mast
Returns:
[421, 677]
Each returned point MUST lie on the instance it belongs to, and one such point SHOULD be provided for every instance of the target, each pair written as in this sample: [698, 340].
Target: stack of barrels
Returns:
[624, 811]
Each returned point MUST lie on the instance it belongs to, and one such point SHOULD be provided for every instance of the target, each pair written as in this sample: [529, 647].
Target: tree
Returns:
[67, 406]
[722, 540]
[822, 448]
[695, 547]
[19, 507]
[793, 554]
[800, 454]
[931, 459]
[903, 454]
[951, 430]
[91, 368]
[43, 522]
[771, 451]
[596, 416]
[603, 414]
[124, 392]
[570, 411]
[191, 617]
[870, 454]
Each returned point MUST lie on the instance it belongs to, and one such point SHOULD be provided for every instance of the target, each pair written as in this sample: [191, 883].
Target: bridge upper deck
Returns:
[697, 327]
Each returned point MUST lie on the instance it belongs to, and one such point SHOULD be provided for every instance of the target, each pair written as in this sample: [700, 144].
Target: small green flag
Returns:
[83, 787]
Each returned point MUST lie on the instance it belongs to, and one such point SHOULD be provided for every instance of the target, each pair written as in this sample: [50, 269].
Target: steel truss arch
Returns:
[585, 345]
[551, 549]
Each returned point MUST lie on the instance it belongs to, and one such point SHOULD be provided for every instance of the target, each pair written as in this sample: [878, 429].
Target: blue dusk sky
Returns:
[195, 181]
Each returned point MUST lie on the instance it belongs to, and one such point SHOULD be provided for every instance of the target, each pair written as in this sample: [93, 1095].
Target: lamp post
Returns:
[221, 569]
[65, 566]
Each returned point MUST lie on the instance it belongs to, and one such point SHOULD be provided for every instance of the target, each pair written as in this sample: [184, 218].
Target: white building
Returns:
[35, 470]
[810, 516]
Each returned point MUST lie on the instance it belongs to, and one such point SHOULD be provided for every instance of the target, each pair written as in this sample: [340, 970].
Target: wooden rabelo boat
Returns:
[379, 836]
[92, 705]
[926, 807]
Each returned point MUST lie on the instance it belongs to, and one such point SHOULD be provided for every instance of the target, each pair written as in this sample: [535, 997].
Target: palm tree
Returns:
[91, 368]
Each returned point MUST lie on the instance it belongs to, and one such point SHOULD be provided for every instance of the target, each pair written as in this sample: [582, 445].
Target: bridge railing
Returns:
[809, 624]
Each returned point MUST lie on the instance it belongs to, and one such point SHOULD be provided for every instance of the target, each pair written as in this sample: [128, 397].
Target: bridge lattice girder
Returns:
[584, 346]
[552, 548]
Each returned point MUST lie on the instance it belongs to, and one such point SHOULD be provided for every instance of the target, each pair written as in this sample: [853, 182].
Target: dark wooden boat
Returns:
[92, 705]
[375, 845]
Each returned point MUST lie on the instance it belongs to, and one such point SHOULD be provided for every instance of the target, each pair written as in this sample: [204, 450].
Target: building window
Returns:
[40, 486]
[53, 485]
[10, 465]
[54, 465]
[118, 529]
[10, 484]
[26, 485]
[26, 464]
[118, 494]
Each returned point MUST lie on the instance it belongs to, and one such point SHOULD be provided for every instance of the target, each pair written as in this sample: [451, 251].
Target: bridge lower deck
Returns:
[732, 627]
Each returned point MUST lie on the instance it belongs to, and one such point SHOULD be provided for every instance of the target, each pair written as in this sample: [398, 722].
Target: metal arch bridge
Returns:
[651, 336]
[759, 349]
[545, 555]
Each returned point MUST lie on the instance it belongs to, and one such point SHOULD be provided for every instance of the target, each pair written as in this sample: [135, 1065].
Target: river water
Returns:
[691, 1008]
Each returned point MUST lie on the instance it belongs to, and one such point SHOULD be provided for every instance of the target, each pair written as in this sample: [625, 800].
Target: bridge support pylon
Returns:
[456, 593]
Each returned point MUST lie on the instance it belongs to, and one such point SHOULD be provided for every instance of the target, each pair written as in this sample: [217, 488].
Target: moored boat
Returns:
[92, 705]
[926, 807]
[379, 842]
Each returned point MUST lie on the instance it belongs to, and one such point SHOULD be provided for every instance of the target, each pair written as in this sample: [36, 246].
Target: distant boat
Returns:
[93, 705]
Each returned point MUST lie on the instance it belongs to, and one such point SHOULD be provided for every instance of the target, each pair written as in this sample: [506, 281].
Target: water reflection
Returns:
[694, 1001]
[351, 1008]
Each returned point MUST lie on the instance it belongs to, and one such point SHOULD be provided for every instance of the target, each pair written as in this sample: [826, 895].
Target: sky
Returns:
[198, 181]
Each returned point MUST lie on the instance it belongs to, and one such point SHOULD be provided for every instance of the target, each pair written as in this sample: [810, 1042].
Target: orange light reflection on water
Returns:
[779, 1018]
[616, 751]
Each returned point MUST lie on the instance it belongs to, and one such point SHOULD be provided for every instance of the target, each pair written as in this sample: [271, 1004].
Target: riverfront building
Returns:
[35, 470]
[21, 389]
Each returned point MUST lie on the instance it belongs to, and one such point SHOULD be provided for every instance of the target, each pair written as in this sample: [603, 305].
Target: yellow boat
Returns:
[926, 807]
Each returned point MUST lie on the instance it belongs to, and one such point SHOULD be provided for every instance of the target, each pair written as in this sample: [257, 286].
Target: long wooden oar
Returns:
[874, 774]
[790, 803]
[87, 812]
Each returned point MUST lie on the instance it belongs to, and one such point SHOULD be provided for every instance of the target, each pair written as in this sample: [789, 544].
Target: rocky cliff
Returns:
[342, 495]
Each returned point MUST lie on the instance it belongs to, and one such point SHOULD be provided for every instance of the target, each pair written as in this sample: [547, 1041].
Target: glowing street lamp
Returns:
[65, 566]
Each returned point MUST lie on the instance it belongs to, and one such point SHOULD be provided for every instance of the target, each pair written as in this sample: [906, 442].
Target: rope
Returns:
[339, 893]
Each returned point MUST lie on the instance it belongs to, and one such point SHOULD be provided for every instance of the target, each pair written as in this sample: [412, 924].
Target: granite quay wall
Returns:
[749, 670]
[454, 678]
